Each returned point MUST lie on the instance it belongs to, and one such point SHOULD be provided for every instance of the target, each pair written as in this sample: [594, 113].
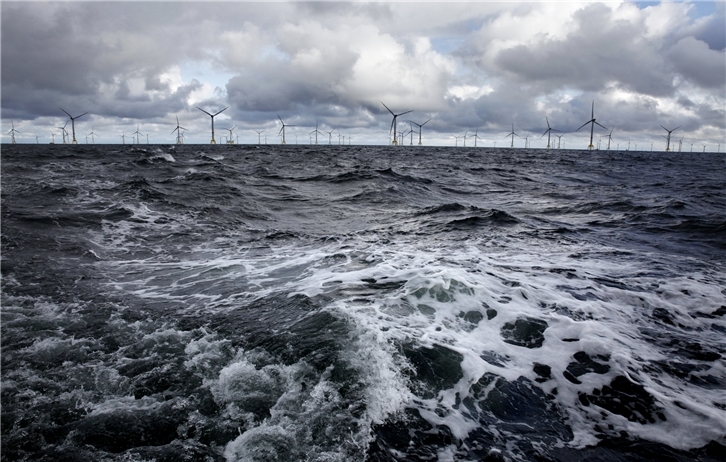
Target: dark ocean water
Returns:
[343, 303]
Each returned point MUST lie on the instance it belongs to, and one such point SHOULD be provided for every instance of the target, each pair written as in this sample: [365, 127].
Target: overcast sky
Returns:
[464, 65]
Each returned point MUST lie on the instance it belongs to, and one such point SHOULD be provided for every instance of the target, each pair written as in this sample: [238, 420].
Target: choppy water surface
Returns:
[341, 303]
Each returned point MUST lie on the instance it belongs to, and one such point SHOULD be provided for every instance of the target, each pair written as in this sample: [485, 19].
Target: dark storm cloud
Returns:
[68, 54]
[601, 50]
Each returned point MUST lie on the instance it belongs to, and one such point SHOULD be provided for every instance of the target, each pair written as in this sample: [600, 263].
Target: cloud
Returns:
[467, 65]
[694, 60]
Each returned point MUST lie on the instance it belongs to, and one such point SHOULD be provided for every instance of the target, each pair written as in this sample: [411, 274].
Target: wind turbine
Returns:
[230, 140]
[419, 129]
[559, 140]
[330, 136]
[212, 116]
[178, 131]
[393, 123]
[668, 138]
[52, 135]
[93, 140]
[64, 132]
[476, 135]
[12, 131]
[259, 136]
[547, 132]
[512, 134]
[610, 137]
[73, 123]
[282, 130]
[316, 131]
[137, 133]
[123, 138]
[592, 126]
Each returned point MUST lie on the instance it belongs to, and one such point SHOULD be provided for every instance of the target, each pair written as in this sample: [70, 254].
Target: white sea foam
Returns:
[408, 292]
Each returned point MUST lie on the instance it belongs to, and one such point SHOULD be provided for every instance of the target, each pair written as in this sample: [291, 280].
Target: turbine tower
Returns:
[592, 126]
[92, 134]
[548, 132]
[73, 124]
[212, 116]
[282, 130]
[668, 138]
[512, 134]
[393, 123]
[178, 131]
[330, 136]
[12, 132]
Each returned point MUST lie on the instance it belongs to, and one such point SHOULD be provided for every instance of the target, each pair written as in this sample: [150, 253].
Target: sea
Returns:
[362, 303]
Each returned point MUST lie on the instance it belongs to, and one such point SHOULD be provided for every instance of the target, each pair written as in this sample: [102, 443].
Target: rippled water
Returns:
[341, 303]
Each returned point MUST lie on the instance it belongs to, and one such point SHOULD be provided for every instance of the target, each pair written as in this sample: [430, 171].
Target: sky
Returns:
[484, 68]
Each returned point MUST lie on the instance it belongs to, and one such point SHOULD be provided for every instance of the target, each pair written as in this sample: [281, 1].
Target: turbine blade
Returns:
[283, 123]
[601, 125]
[210, 115]
[425, 123]
[221, 111]
[663, 127]
[548, 122]
[589, 121]
[404, 112]
[78, 117]
[384, 105]
[66, 112]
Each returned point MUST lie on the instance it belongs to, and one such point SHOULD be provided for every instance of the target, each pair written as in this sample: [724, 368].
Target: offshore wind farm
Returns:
[487, 231]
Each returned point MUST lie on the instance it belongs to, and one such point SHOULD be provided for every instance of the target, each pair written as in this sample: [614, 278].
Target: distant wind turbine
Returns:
[230, 140]
[212, 116]
[123, 138]
[592, 125]
[420, 126]
[559, 139]
[92, 134]
[12, 132]
[668, 138]
[259, 136]
[73, 123]
[393, 123]
[330, 136]
[282, 130]
[137, 133]
[512, 134]
[476, 135]
[64, 132]
[178, 131]
[610, 137]
[547, 132]
[316, 131]
[52, 136]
